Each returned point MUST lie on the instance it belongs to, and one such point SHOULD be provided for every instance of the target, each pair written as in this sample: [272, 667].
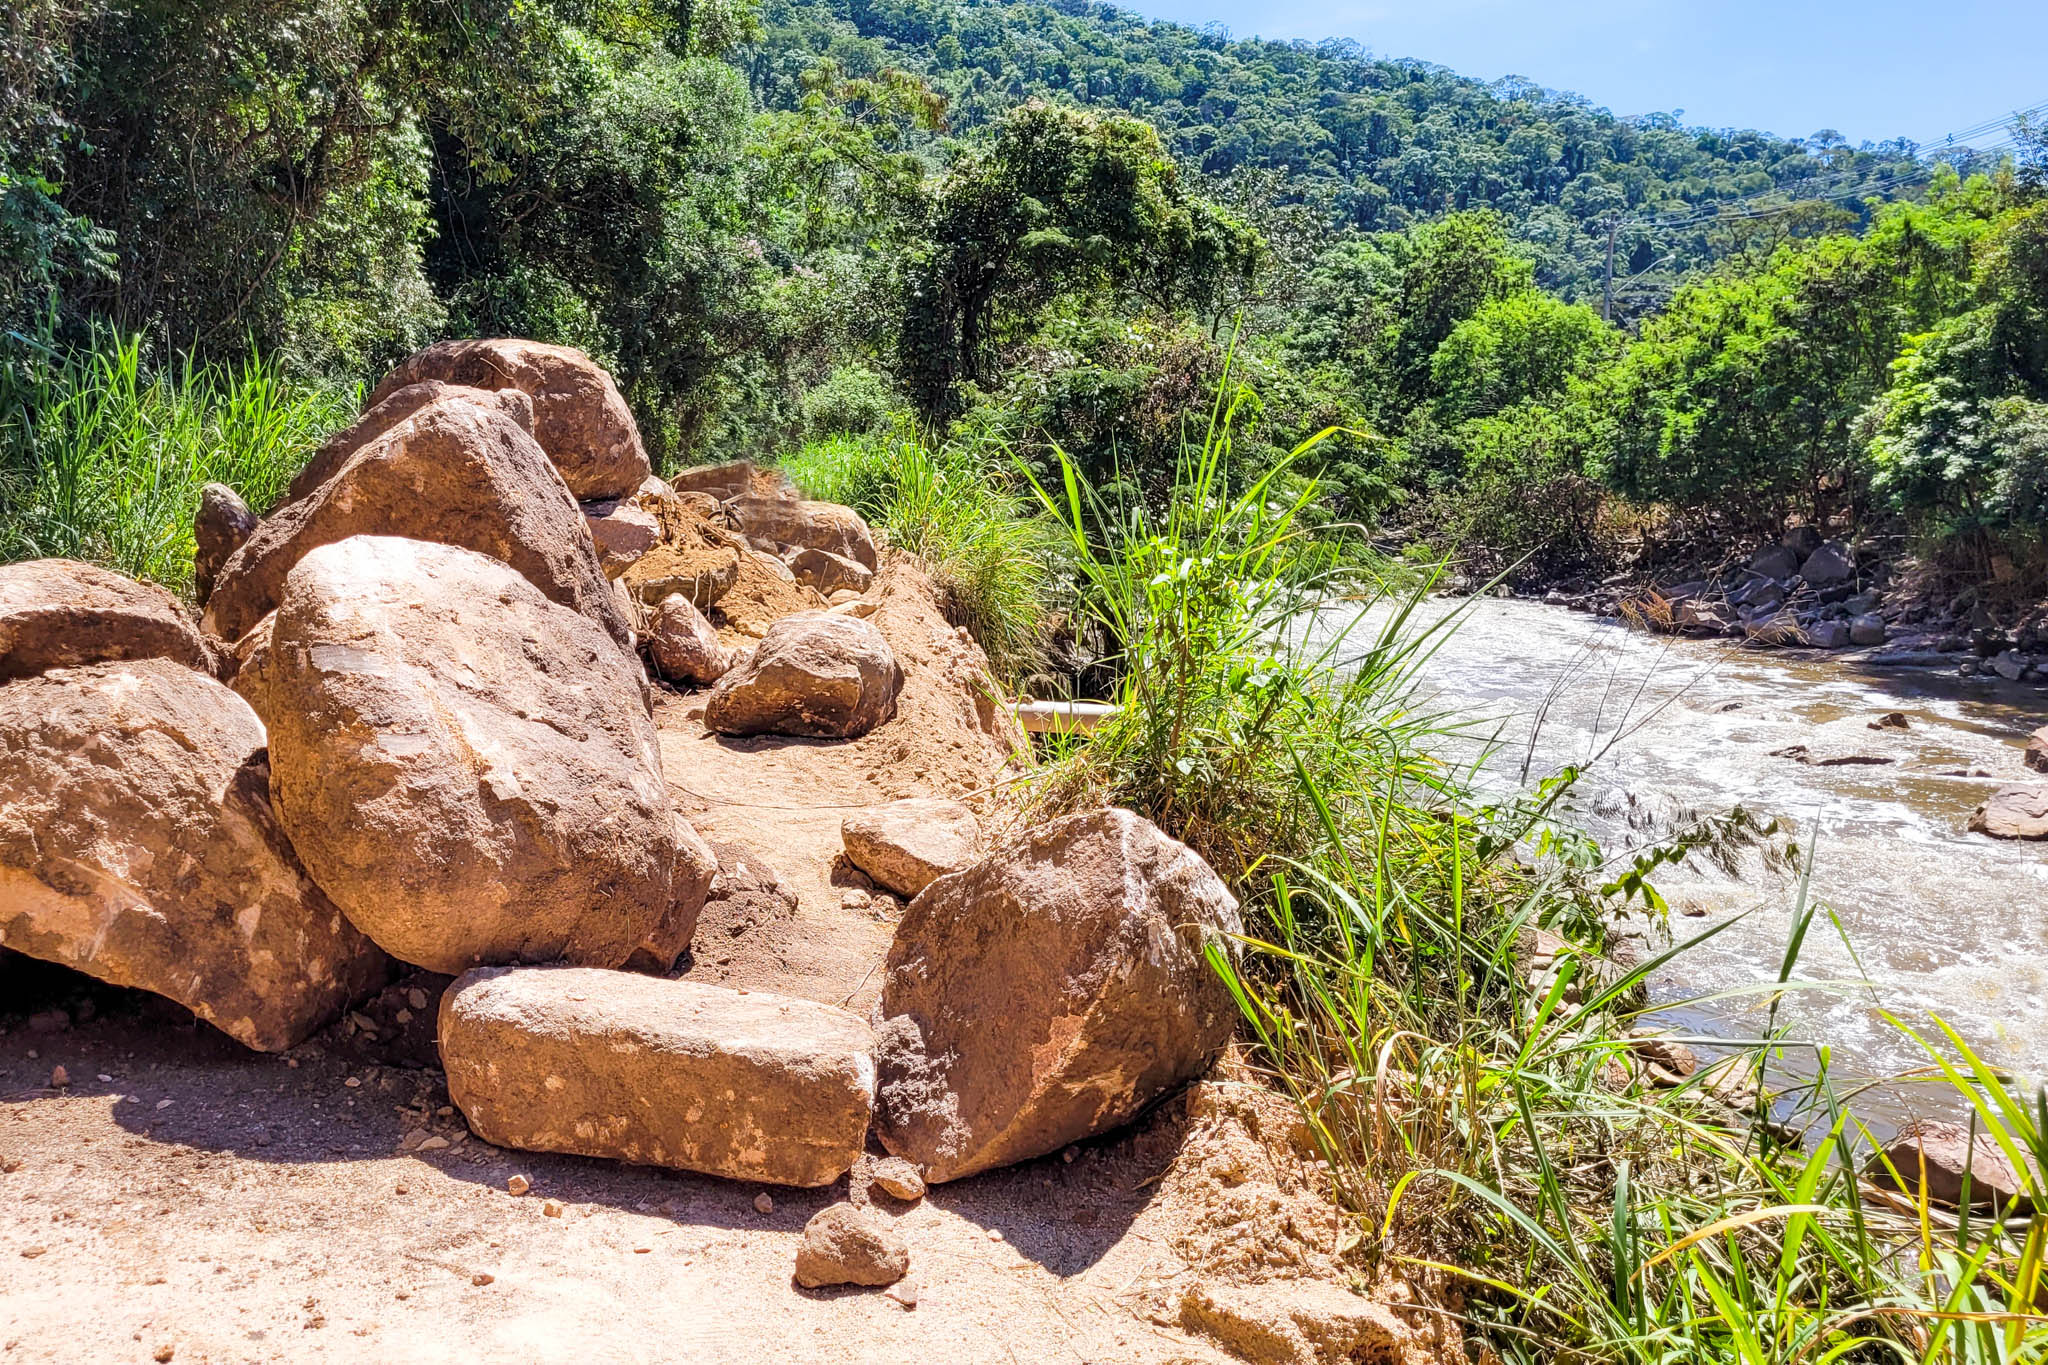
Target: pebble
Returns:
[105, 1079]
[401, 1189]
[551, 1209]
[417, 998]
[353, 1083]
[164, 1354]
[995, 1234]
[292, 1062]
[482, 1279]
[30, 1253]
[518, 1184]
[764, 1202]
[904, 1292]
[433, 1144]
[893, 1175]
[59, 1077]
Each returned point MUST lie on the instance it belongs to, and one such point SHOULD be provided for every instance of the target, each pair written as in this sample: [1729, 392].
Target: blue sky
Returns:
[1873, 70]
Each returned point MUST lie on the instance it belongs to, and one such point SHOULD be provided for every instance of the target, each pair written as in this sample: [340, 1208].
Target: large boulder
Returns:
[465, 767]
[1931, 1156]
[138, 844]
[1048, 993]
[683, 645]
[775, 523]
[2018, 812]
[59, 613]
[907, 845]
[219, 527]
[1830, 564]
[745, 1085]
[812, 674]
[387, 408]
[458, 471]
[579, 417]
[696, 867]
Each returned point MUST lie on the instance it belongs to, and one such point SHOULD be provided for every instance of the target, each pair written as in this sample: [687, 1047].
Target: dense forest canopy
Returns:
[1016, 225]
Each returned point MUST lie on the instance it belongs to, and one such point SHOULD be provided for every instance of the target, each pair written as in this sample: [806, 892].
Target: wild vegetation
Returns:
[982, 270]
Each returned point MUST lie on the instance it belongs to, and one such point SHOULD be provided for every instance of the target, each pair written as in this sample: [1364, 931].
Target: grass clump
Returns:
[102, 456]
[999, 565]
[1492, 1136]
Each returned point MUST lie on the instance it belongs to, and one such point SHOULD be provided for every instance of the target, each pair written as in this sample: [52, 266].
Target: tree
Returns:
[1515, 349]
[1062, 203]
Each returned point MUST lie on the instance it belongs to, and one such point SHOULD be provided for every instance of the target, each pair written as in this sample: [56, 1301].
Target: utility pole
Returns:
[1607, 291]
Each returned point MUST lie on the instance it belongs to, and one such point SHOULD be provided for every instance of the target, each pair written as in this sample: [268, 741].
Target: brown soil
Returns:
[185, 1199]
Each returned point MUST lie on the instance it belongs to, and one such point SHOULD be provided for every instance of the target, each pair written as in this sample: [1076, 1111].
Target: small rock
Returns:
[903, 1292]
[353, 1083]
[847, 1245]
[895, 1176]
[417, 998]
[481, 1279]
[764, 1202]
[907, 845]
[995, 1234]
[59, 1077]
[401, 1189]
[518, 1184]
[436, 1143]
[30, 1253]
[551, 1209]
[1946, 1151]
[1829, 635]
[164, 1354]
[1891, 720]
[1867, 629]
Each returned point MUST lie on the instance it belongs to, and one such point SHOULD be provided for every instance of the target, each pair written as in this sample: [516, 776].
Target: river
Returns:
[1921, 919]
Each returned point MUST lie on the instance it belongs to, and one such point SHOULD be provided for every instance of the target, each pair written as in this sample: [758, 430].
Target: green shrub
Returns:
[102, 457]
[852, 400]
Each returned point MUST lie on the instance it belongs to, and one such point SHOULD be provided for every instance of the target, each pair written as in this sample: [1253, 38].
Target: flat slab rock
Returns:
[1048, 993]
[748, 1086]
[907, 845]
[60, 613]
[465, 767]
[138, 845]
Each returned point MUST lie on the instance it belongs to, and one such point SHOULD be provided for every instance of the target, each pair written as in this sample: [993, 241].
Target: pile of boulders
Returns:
[413, 726]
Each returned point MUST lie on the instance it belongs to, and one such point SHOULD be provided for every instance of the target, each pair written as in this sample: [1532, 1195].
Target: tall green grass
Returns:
[999, 565]
[102, 455]
[1489, 1133]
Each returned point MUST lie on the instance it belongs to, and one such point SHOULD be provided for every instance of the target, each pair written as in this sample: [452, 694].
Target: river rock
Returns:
[1831, 563]
[60, 613]
[219, 527]
[847, 1245]
[465, 767]
[776, 523]
[1775, 561]
[2019, 812]
[385, 411]
[748, 1086]
[1802, 541]
[138, 845]
[622, 533]
[1867, 629]
[1828, 635]
[1946, 1150]
[459, 472]
[1048, 993]
[2036, 755]
[683, 645]
[906, 845]
[829, 573]
[813, 674]
[579, 417]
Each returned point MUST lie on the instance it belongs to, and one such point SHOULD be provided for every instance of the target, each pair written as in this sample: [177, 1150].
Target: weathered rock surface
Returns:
[1048, 993]
[897, 1178]
[465, 767]
[683, 645]
[813, 674]
[459, 472]
[2018, 812]
[60, 613]
[1867, 629]
[1775, 561]
[656, 1072]
[138, 845]
[829, 573]
[696, 868]
[579, 417]
[386, 410]
[2036, 755]
[775, 523]
[906, 845]
[1831, 563]
[847, 1245]
[1946, 1151]
[219, 527]
[622, 533]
